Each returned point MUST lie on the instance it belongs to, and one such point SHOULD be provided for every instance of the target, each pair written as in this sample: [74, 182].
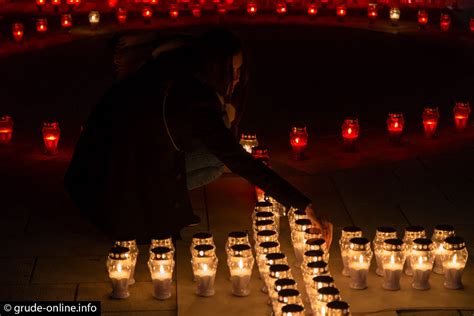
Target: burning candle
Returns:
[297, 236]
[119, 267]
[454, 261]
[338, 308]
[162, 240]
[261, 154]
[394, 15]
[430, 121]
[321, 281]
[422, 19]
[440, 233]
[324, 295]
[6, 130]
[262, 249]
[264, 225]
[313, 269]
[56, 4]
[312, 10]
[248, 140]
[295, 215]
[221, 9]
[395, 124]
[147, 13]
[174, 12]
[292, 310]
[204, 269]
[381, 234]
[94, 18]
[196, 10]
[17, 31]
[411, 233]
[131, 244]
[122, 15]
[51, 133]
[235, 238]
[261, 212]
[422, 258]
[445, 22]
[66, 21]
[350, 133]
[317, 244]
[281, 284]
[266, 235]
[278, 208]
[277, 272]
[341, 11]
[372, 12]
[161, 265]
[393, 258]
[359, 257]
[347, 234]
[471, 24]
[286, 297]
[251, 10]
[281, 9]
[40, 4]
[298, 141]
[461, 115]
[202, 238]
[41, 25]
[264, 216]
[240, 263]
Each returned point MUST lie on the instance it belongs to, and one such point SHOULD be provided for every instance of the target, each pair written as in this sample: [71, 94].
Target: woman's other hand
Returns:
[320, 221]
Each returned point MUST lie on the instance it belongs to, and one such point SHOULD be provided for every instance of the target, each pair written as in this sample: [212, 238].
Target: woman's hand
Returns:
[320, 221]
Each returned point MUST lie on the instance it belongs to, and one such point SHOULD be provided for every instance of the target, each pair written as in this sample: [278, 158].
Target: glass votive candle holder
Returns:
[454, 260]
[422, 259]
[201, 238]
[204, 269]
[321, 281]
[318, 244]
[51, 134]
[298, 238]
[271, 259]
[261, 226]
[350, 133]
[338, 308]
[119, 267]
[359, 259]
[264, 216]
[440, 233]
[248, 141]
[348, 233]
[296, 215]
[298, 141]
[285, 297]
[313, 269]
[278, 208]
[310, 284]
[131, 244]
[240, 262]
[277, 286]
[411, 233]
[162, 240]
[292, 310]
[161, 266]
[276, 272]
[430, 121]
[6, 129]
[314, 255]
[236, 238]
[266, 235]
[392, 259]
[382, 233]
[263, 249]
[461, 115]
[324, 295]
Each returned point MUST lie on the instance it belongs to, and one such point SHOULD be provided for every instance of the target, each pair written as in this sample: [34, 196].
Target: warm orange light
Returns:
[66, 21]
[174, 13]
[147, 13]
[298, 141]
[197, 11]
[422, 18]
[461, 115]
[122, 15]
[17, 31]
[341, 11]
[6, 129]
[395, 124]
[430, 121]
[252, 8]
[153, 2]
[312, 9]
[112, 3]
[350, 132]
[40, 2]
[281, 9]
[42, 25]
[51, 134]
[445, 22]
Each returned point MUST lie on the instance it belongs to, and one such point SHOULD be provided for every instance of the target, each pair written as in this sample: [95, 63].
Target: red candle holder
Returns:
[252, 9]
[40, 4]
[298, 141]
[41, 25]
[260, 153]
[341, 11]
[471, 24]
[66, 21]
[51, 133]
[422, 19]
[56, 4]
[17, 31]
[372, 12]
[147, 13]
[312, 10]
[445, 22]
[73, 3]
[461, 115]
[221, 9]
[395, 124]
[430, 121]
[350, 133]
[6, 130]
[122, 15]
[281, 9]
[174, 12]
[196, 10]
[112, 3]
[394, 15]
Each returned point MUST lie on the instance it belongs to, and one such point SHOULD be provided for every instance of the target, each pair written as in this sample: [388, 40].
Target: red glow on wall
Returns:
[430, 121]
[422, 18]
[51, 134]
[17, 31]
[298, 141]
[6, 130]
[66, 21]
[461, 115]
[395, 124]
[445, 22]
[252, 8]
[41, 25]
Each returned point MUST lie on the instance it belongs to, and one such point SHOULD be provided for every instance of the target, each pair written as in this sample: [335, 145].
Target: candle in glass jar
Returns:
[285, 297]
[395, 124]
[360, 255]
[394, 15]
[298, 141]
[350, 133]
[445, 22]
[454, 260]
[422, 258]
[382, 233]
[41, 25]
[461, 115]
[323, 296]
[411, 233]
[372, 12]
[312, 10]
[162, 240]
[17, 31]
[252, 8]
[393, 258]
[161, 265]
[297, 236]
[348, 233]
[440, 233]
[341, 11]
[292, 310]
[422, 19]
[119, 266]
[122, 14]
[281, 9]
[430, 121]
[94, 18]
[240, 263]
[66, 21]
[51, 133]
[6, 129]
[131, 244]
[204, 269]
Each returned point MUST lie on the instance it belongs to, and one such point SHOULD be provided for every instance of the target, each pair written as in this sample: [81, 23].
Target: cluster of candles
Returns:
[221, 7]
[350, 131]
[415, 254]
[122, 261]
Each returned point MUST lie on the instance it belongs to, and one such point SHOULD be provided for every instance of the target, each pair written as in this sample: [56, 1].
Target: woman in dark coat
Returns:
[161, 131]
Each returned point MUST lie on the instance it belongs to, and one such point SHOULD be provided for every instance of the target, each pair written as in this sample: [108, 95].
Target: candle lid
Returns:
[300, 128]
[312, 231]
[119, 253]
[274, 257]
[359, 244]
[431, 109]
[413, 232]
[130, 243]
[285, 283]
[303, 222]
[299, 212]
[327, 280]
[443, 231]
[242, 237]
[276, 270]
[340, 306]
[161, 253]
[161, 237]
[463, 104]
[291, 309]
[241, 250]
[267, 224]
[328, 294]
[264, 215]
[422, 244]
[351, 232]
[393, 244]
[454, 243]
[318, 267]
[263, 204]
[318, 254]
[385, 232]
[316, 242]
[259, 150]
[268, 245]
[202, 237]
[264, 234]
[284, 294]
[50, 124]
[395, 115]
[248, 136]
[204, 250]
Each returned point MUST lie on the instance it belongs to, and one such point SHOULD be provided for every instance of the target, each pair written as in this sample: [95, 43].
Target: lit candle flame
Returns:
[396, 124]
[241, 264]
[420, 260]
[392, 260]
[162, 269]
[119, 267]
[455, 258]
[361, 258]
[349, 130]
[205, 267]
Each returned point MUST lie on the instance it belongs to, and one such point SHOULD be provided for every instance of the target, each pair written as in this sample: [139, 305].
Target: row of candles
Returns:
[196, 10]
[350, 130]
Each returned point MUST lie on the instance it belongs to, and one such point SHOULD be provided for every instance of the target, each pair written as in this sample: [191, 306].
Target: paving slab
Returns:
[16, 270]
[389, 313]
[467, 313]
[429, 313]
[141, 298]
[37, 292]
